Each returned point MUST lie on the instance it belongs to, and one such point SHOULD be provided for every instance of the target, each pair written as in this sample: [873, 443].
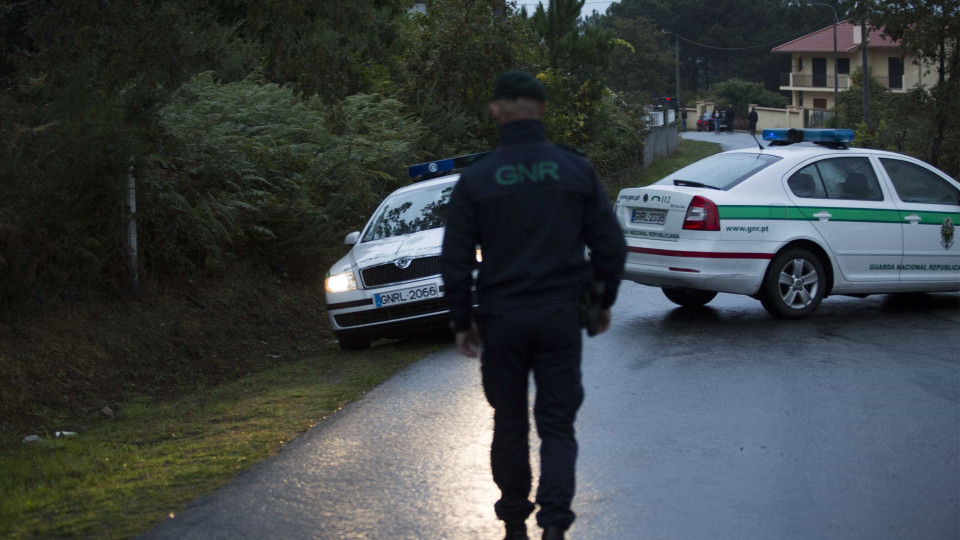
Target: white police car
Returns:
[792, 223]
[389, 284]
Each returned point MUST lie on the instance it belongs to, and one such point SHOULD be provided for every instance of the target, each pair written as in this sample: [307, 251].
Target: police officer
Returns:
[531, 207]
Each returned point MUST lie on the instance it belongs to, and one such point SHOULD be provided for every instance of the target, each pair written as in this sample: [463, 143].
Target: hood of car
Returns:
[420, 244]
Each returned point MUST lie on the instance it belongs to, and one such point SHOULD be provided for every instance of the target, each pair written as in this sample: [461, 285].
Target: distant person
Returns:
[683, 119]
[716, 120]
[731, 115]
[753, 120]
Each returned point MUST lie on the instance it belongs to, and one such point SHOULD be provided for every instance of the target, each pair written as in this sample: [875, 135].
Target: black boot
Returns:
[517, 532]
[552, 532]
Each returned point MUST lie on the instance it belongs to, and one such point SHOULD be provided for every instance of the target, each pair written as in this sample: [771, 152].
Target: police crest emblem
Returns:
[946, 233]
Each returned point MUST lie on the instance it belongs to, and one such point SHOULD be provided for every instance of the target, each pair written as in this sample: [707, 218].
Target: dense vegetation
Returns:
[258, 132]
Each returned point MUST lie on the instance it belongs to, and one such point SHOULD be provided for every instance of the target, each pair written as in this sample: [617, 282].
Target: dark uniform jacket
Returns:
[532, 207]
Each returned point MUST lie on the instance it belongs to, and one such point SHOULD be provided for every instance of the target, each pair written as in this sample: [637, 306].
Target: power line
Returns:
[547, 3]
[803, 33]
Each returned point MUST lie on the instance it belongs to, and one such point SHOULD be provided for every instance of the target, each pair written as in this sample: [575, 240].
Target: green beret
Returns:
[517, 83]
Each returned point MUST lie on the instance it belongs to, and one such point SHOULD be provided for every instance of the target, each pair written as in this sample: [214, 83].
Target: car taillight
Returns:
[702, 215]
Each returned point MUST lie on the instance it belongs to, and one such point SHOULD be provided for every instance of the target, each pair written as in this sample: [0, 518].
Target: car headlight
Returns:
[340, 283]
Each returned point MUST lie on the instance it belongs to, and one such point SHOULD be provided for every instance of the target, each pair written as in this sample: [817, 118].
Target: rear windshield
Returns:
[721, 171]
[411, 212]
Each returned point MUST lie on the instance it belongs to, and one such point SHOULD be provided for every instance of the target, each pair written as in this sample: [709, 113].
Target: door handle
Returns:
[913, 218]
[823, 215]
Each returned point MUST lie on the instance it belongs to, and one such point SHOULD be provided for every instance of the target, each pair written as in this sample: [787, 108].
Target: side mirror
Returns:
[352, 238]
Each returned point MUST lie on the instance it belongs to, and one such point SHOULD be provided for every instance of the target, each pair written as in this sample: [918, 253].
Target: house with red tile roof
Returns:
[811, 79]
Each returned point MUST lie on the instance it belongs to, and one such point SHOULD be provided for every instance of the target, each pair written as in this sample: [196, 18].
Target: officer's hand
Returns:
[469, 342]
[603, 323]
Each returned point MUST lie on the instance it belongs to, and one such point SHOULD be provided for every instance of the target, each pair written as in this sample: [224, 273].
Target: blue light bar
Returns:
[433, 167]
[790, 136]
[444, 165]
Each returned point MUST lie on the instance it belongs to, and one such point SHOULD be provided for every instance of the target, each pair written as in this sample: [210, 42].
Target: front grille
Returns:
[386, 274]
[393, 313]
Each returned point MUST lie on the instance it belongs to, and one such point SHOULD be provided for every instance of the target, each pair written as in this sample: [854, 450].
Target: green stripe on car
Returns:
[805, 213]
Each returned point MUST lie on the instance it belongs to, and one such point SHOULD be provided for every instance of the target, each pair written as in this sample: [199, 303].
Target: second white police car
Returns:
[389, 284]
[794, 222]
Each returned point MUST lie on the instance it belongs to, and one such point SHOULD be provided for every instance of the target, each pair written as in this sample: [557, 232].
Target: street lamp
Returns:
[836, 76]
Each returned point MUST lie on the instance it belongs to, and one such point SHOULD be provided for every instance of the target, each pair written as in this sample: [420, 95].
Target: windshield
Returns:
[721, 171]
[411, 212]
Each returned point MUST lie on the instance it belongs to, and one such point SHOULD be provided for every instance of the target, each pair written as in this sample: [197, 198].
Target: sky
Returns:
[589, 7]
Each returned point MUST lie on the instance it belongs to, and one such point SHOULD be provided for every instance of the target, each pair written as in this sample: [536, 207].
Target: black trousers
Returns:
[545, 340]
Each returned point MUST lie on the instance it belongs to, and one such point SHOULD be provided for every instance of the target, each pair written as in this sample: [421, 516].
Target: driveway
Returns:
[719, 423]
[727, 140]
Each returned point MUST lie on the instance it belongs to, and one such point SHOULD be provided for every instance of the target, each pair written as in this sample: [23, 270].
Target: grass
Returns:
[687, 153]
[120, 478]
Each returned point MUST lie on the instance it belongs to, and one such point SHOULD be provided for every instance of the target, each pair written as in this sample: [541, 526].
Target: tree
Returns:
[741, 94]
[930, 30]
[431, 76]
[80, 94]
[715, 42]
[330, 49]
[571, 45]
[638, 64]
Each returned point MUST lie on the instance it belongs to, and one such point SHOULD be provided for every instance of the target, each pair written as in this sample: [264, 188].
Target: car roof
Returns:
[805, 150]
[450, 178]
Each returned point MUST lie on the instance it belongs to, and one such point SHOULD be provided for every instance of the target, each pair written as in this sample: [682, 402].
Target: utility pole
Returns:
[866, 74]
[130, 206]
[836, 75]
[676, 41]
[676, 74]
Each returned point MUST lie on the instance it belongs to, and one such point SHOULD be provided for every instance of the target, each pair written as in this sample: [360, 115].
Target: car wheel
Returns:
[353, 342]
[688, 297]
[794, 285]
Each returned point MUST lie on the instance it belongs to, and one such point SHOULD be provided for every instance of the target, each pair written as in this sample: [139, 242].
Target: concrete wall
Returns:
[661, 141]
[769, 118]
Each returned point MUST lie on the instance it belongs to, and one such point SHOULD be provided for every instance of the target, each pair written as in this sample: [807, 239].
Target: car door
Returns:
[860, 224]
[929, 207]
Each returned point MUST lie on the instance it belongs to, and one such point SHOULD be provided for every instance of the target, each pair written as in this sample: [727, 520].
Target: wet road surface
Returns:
[727, 140]
[710, 423]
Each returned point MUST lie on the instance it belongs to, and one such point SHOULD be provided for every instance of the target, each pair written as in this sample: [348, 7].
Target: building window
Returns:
[843, 66]
[895, 70]
[799, 64]
[800, 98]
[820, 103]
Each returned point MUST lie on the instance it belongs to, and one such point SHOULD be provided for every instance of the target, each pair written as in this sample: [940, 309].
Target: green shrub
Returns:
[247, 170]
[741, 94]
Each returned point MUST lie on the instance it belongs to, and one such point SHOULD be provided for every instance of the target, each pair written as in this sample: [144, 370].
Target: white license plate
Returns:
[413, 294]
[641, 215]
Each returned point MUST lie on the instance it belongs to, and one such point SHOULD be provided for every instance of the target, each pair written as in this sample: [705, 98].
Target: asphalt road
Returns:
[713, 423]
[727, 140]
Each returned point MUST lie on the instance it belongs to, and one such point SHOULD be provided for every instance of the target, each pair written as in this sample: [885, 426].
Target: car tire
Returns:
[688, 297]
[794, 284]
[353, 342]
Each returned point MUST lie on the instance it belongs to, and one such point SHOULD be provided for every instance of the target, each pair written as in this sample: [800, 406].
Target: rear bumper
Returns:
[661, 265]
